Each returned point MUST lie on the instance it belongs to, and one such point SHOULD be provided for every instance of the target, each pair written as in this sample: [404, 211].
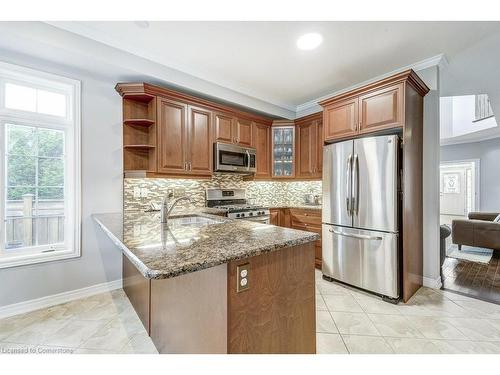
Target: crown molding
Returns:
[312, 105]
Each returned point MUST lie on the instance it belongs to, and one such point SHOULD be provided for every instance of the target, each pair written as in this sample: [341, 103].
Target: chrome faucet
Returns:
[165, 210]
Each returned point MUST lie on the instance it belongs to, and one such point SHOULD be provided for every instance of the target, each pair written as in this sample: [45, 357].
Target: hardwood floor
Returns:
[474, 279]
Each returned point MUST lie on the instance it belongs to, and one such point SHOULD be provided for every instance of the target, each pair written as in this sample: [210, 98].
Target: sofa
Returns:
[482, 229]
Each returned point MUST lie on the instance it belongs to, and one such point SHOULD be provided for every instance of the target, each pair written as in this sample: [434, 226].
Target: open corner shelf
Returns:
[138, 121]
[139, 146]
[139, 97]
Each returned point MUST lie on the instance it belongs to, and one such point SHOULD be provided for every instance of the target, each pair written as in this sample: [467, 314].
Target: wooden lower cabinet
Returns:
[301, 219]
[203, 313]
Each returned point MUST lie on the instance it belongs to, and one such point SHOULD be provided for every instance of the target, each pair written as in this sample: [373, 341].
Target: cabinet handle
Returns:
[185, 166]
[190, 166]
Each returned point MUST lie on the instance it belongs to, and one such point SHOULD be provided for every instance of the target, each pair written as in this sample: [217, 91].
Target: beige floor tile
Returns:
[330, 343]
[13, 324]
[38, 332]
[140, 344]
[74, 334]
[476, 329]
[346, 303]
[375, 305]
[327, 288]
[366, 345]
[467, 347]
[324, 322]
[394, 326]
[480, 309]
[354, 324]
[115, 335]
[320, 303]
[436, 328]
[412, 346]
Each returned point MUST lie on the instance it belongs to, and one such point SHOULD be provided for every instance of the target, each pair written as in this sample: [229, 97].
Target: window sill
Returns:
[9, 261]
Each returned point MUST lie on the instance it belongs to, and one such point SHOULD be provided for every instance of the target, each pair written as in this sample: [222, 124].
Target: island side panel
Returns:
[276, 314]
[137, 288]
[189, 312]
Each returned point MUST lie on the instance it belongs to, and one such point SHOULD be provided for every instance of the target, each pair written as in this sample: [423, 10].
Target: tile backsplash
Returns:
[139, 192]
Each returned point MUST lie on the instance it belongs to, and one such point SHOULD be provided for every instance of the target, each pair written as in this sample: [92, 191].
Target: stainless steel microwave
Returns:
[233, 158]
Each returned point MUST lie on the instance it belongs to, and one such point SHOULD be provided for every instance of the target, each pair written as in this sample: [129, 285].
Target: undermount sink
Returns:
[192, 220]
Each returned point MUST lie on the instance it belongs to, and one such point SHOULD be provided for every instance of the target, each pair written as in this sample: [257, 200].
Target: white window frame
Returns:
[71, 125]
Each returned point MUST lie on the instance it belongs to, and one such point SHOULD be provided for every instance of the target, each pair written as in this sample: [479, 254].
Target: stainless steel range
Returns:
[236, 205]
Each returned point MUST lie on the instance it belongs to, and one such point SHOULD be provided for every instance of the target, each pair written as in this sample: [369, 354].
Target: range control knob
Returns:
[237, 215]
[243, 215]
[251, 213]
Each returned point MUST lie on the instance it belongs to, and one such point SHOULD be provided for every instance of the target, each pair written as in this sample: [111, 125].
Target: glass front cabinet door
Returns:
[283, 151]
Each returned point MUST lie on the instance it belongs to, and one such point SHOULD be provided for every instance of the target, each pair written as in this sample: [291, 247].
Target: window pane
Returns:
[50, 172]
[21, 170]
[51, 103]
[20, 97]
[18, 220]
[16, 194]
[20, 140]
[50, 142]
[51, 193]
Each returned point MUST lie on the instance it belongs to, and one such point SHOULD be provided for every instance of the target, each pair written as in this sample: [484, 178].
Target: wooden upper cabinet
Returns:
[200, 150]
[381, 109]
[340, 120]
[243, 132]
[319, 147]
[172, 136]
[261, 141]
[224, 128]
[309, 146]
[306, 149]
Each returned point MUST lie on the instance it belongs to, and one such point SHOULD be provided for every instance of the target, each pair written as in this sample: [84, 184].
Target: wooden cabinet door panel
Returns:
[261, 140]
[274, 216]
[381, 109]
[224, 128]
[305, 143]
[340, 120]
[243, 132]
[172, 137]
[200, 148]
[319, 149]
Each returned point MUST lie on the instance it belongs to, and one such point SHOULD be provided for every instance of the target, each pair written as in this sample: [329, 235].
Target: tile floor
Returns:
[348, 321]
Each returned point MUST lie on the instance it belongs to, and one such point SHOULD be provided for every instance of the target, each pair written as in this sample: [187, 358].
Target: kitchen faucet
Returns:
[165, 210]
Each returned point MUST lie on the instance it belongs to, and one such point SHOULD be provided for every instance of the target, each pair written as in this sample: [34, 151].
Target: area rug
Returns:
[473, 254]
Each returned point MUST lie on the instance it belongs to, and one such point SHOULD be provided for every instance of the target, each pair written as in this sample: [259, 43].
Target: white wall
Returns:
[431, 179]
[457, 114]
[101, 192]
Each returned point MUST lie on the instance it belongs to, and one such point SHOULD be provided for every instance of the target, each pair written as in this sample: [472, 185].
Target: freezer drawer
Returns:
[365, 259]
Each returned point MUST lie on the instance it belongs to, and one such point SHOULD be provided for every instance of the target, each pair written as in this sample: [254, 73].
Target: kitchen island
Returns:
[208, 284]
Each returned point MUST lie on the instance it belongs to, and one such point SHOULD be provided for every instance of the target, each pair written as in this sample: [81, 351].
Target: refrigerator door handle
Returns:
[348, 185]
[355, 186]
[358, 236]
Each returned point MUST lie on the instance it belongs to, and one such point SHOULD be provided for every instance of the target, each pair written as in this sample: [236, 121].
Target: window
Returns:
[39, 165]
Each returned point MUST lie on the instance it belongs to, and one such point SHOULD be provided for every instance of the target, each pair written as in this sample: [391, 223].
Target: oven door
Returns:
[232, 158]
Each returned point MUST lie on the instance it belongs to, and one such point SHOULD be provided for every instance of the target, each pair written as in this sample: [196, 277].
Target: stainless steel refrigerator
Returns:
[360, 213]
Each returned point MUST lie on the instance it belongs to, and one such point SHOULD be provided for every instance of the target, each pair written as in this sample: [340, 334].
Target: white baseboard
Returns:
[56, 299]
[432, 283]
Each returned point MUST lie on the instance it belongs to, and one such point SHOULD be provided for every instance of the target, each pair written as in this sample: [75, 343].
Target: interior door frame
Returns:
[476, 175]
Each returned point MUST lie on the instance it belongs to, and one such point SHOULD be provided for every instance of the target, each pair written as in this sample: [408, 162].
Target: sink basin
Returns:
[192, 221]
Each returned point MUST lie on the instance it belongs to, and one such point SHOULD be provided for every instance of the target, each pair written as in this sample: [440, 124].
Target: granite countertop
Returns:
[159, 251]
[301, 206]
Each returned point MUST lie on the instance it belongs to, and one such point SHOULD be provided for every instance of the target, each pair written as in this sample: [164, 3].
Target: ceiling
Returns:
[260, 59]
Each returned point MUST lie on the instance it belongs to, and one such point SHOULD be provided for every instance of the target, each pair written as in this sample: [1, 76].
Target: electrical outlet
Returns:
[170, 192]
[243, 277]
[144, 192]
[179, 192]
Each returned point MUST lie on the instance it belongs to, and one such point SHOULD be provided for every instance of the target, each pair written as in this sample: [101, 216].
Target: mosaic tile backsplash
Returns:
[139, 192]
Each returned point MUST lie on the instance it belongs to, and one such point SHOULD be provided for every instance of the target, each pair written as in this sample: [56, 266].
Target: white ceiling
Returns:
[260, 59]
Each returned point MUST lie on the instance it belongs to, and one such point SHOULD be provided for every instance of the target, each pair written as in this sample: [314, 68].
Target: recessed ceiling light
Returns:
[309, 41]
[142, 24]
